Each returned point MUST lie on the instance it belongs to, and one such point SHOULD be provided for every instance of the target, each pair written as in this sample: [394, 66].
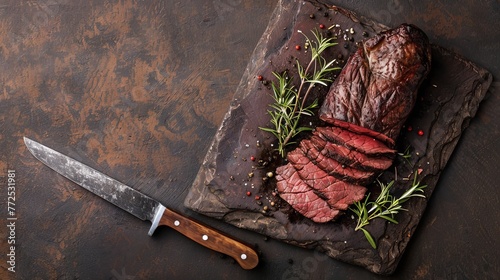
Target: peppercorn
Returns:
[297, 47]
[322, 26]
[420, 132]
[260, 78]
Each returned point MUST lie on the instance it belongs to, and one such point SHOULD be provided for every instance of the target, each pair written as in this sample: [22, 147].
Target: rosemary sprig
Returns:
[406, 155]
[288, 108]
[385, 206]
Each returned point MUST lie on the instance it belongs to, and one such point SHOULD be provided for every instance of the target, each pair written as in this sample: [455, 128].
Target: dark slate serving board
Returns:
[447, 101]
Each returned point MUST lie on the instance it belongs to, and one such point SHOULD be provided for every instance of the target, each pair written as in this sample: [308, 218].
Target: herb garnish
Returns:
[385, 206]
[406, 155]
[290, 103]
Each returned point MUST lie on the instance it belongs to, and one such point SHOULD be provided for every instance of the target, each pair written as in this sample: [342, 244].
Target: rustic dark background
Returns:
[137, 89]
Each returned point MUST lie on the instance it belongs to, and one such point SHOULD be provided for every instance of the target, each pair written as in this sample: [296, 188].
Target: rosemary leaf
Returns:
[390, 219]
[369, 238]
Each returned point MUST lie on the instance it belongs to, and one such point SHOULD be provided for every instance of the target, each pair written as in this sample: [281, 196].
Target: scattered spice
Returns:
[420, 132]
[270, 174]
[260, 78]
[297, 47]
[257, 197]
[252, 158]
[322, 26]
[409, 128]
[249, 193]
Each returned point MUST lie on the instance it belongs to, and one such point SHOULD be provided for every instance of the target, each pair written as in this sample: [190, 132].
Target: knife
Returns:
[142, 206]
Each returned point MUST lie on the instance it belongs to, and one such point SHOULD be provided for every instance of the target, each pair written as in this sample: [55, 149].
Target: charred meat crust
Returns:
[378, 86]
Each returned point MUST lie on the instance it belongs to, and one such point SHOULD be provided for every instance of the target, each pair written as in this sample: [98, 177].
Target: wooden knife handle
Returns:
[210, 238]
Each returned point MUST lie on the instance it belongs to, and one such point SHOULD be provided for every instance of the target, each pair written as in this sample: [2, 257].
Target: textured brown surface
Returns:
[137, 89]
[448, 99]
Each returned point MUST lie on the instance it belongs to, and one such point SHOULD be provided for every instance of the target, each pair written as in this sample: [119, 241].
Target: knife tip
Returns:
[29, 143]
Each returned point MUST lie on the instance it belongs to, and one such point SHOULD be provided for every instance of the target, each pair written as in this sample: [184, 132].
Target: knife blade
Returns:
[142, 206]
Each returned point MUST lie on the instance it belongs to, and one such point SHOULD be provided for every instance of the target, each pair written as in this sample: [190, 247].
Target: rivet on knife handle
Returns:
[211, 238]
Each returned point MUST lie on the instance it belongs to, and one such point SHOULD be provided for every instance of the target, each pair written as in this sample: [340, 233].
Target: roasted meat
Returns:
[378, 86]
[365, 109]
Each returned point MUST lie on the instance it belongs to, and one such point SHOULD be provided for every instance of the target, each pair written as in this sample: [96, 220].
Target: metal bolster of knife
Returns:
[156, 219]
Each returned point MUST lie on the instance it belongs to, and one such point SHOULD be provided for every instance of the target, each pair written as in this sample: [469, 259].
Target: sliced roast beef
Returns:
[350, 157]
[333, 167]
[365, 109]
[362, 143]
[319, 196]
[302, 197]
[360, 130]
